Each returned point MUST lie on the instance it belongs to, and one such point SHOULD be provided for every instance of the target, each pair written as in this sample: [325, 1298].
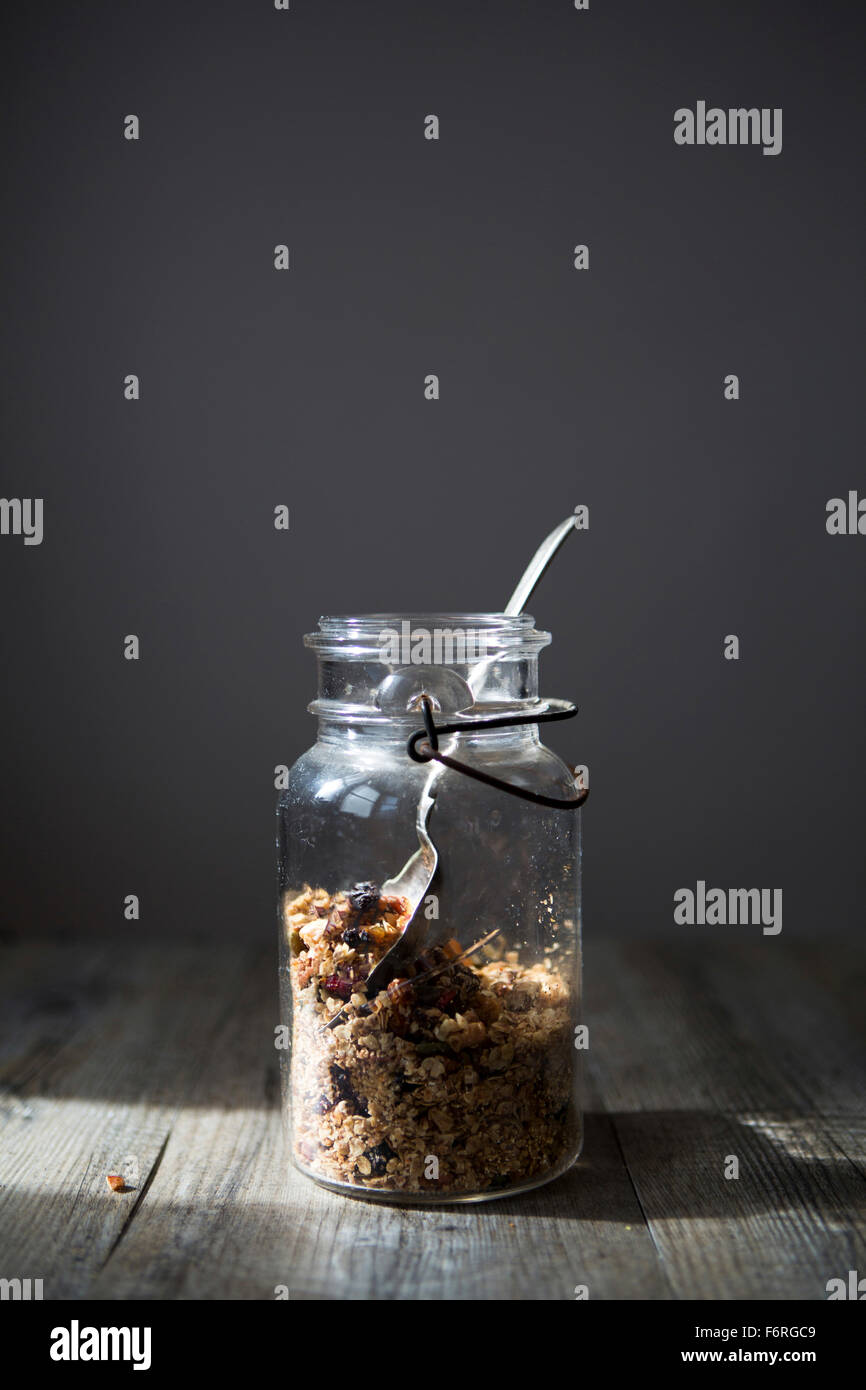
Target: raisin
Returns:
[344, 1090]
[379, 1156]
[364, 897]
[433, 1049]
[431, 958]
[466, 981]
[355, 936]
[322, 1106]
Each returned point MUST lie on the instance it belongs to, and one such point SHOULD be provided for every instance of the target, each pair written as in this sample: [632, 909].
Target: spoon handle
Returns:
[537, 565]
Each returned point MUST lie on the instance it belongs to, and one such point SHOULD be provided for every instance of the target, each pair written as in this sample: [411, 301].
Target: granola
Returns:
[458, 1080]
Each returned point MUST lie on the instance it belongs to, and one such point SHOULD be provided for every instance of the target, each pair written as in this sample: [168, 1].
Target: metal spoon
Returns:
[412, 883]
[538, 564]
[416, 875]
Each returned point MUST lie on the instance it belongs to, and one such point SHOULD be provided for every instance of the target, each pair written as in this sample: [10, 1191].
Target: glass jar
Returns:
[460, 1082]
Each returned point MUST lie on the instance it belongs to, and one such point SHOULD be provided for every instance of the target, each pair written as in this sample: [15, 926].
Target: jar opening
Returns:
[448, 639]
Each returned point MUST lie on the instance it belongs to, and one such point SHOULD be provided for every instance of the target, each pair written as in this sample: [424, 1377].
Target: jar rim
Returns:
[361, 635]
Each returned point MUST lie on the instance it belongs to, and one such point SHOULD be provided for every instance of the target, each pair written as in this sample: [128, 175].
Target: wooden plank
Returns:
[585, 1229]
[104, 1099]
[226, 1216]
[48, 992]
[707, 1069]
[166, 1054]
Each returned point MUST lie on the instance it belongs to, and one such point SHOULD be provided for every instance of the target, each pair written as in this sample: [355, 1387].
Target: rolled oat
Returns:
[466, 1063]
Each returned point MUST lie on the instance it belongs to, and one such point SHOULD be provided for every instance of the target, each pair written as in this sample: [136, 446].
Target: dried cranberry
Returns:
[447, 997]
[341, 988]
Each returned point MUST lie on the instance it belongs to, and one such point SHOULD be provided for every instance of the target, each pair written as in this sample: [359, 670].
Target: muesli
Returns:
[456, 1080]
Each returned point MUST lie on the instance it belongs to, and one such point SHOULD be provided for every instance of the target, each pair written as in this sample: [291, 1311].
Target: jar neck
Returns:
[391, 736]
[375, 668]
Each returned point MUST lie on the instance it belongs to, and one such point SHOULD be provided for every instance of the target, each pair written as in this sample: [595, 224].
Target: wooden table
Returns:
[159, 1061]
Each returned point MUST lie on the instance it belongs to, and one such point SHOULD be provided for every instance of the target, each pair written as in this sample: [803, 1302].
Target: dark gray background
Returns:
[558, 387]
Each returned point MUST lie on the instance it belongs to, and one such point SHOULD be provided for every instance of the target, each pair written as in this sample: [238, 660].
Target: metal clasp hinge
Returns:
[425, 752]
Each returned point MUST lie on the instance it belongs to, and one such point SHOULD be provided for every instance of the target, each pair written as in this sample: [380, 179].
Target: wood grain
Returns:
[162, 1059]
